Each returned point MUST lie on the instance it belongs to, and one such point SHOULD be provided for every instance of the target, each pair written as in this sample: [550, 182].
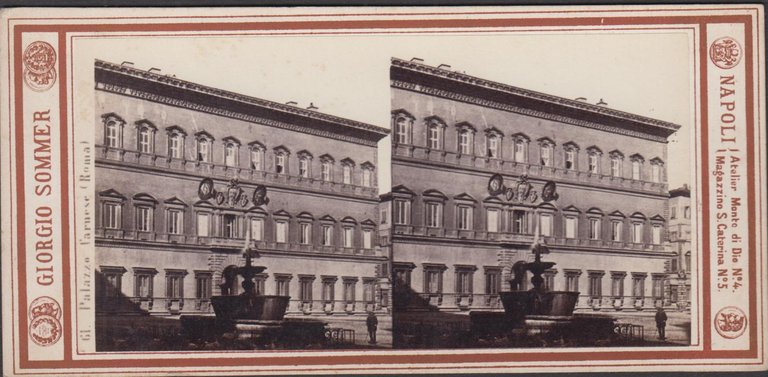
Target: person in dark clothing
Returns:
[372, 323]
[661, 322]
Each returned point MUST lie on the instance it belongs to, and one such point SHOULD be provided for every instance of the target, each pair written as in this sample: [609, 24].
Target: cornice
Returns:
[521, 110]
[467, 79]
[192, 87]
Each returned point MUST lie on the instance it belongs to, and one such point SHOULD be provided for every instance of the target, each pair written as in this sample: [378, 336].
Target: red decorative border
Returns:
[374, 360]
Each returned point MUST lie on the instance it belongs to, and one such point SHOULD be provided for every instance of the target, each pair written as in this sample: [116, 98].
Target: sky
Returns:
[646, 73]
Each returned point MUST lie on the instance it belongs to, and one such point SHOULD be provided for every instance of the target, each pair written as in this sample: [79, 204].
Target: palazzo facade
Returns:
[163, 240]
[454, 244]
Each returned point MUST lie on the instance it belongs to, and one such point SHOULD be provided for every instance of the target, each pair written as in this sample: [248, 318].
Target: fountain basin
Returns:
[267, 308]
[519, 304]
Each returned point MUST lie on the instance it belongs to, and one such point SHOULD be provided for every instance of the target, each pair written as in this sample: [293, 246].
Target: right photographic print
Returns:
[534, 216]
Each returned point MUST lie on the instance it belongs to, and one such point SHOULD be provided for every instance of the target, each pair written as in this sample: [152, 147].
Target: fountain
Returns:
[250, 315]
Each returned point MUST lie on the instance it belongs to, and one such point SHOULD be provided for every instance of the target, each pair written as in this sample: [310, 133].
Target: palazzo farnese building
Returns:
[454, 245]
[164, 240]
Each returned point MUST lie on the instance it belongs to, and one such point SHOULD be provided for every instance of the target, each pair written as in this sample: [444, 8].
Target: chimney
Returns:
[443, 66]
[602, 103]
[582, 99]
[127, 63]
[153, 69]
[292, 103]
[312, 106]
[417, 60]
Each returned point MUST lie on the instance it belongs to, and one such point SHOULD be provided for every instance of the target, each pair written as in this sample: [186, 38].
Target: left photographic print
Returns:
[229, 222]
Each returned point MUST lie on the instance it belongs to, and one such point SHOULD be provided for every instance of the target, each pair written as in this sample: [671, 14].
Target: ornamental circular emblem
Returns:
[39, 82]
[496, 185]
[730, 322]
[260, 196]
[725, 52]
[205, 191]
[44, 305]
[45, 330]
[39, 57]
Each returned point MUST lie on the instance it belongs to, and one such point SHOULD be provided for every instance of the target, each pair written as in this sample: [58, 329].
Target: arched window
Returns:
[465, 140]
[493, 143]
[231, 149]
[281, 160]
[520, 147]
[571, 156]
[176, 137]
[617, 159]
[656, 169]
[204, 145]
[594, 154]
[368, 170]
[113, 130]
[145, 137]
[637, 166]
[403, 126]
[546, 146]
[347, 167]
[305, 164]
[326, 166]
[257, 155]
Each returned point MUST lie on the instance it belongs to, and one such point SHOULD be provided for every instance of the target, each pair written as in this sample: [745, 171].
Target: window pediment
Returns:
[546, 141]
[617, 214]
[434, 194]
[349, 220]
[594, 150]
[466, 126]
[328, 218]
[204, 135]
[657, 161]
[595, 211]
[521, 136]
[231, 139]
[348, 161]
[327, 158]
[304, 154]
[658, 217]
[282, 213]
[637, 157]
[367, 165]
[112, 193]
[175, 130]
[572, 209]
[638, 215]
[144, 197]
[175, 201]
[435, 120]
[493, 131]
[113, 118]
[203, 204]
[305, 216]
[145, 123]
[616, 154]
[402, 113]
[401, 191]
[368, 222]
[257, 145]
[571, 146]
[281, 149]
[464, 197]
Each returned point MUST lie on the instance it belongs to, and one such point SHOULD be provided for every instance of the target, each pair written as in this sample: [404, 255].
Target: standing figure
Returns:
[661, 322]
[372, 323]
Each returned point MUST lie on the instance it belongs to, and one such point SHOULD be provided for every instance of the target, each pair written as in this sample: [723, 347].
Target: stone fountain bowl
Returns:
[518, 304]
[265, 308]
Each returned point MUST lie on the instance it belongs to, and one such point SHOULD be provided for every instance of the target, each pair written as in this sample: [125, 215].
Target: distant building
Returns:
[454, 245]
[162, 243]
[679, 233]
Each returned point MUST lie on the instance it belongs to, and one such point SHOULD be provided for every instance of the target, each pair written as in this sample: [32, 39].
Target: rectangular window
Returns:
[113, 137]
[595, 285]
[280, 164]
[203, 152]
[594, 229]
[230, 155]
[546, 155]
[174, 288]
[465, 218]
[520, 151]
[327, 235]
[464, 282]
[256, 160]
[368, 291]
[257, 229]
[304, 167]
[636, 170]
[593, 160]
[281, 231]
[143, 283]
[203, 286]
[203, 224]
[402, 131]
[113, 284]
[571, 225]
[617, 285]
[434, 137]
[687, 212]
[402, 212]
[570, 159]
[112, 216]
[493, 147]
[433, 281]
[144, 219]
[464, 142]
[230, 226]
[329, 290]
[637, 232]
[145, 141]
[349, 233]
[616, 167]
[349, 290]
[282, 285]
[175, 221]
[347, 174]
[434, 215]
[326, 171]
[615, 230]
[519, 222]
[673, 213]
[657, 234]
[492, 223]
[366, 178]
[572, 281]
[658, 287]
[492, 282]
[305, 230]
[176, 147]
[656, 173]
[305, 289]
[549, 280]
[367, 239]
[638, 286]
[545, 225]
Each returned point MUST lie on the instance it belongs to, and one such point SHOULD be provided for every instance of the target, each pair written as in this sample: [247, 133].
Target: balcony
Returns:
[204, 169]
[508, 167]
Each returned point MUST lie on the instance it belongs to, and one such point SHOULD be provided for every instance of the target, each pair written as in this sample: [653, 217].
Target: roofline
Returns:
[493, 85]
[191, 86]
